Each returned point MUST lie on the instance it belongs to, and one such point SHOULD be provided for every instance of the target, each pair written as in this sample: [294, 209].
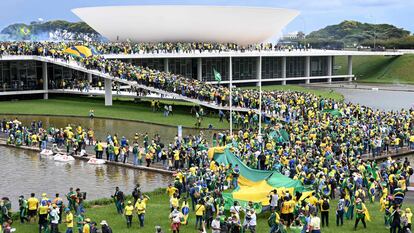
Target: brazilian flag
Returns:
[217, 76]
[24, 31]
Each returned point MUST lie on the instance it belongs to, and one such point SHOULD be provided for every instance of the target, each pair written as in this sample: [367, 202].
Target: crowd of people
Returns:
[142, 149]
[321, 142]
[167, 47]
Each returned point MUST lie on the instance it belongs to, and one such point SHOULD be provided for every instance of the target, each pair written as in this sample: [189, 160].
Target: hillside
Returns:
[378, 69]
[57, 28]
[356, 32]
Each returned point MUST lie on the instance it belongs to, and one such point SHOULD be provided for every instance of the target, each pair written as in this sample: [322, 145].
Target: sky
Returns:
[314, 14]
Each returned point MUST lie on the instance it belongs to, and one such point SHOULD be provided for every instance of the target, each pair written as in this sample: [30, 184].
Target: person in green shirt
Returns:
[23, 209]
[80, 221]
[360, 213]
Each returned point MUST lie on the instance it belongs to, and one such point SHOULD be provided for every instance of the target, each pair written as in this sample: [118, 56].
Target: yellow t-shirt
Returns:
[409, 217]
[140, 207]
[174, 202]
[128, 210]
[86, 228]
[32, 203]
[43, 209]
[171, 190]
[69, 220]
[200, 210]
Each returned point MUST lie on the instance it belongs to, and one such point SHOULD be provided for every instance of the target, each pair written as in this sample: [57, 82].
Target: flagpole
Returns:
[260, 98]
[230, 96]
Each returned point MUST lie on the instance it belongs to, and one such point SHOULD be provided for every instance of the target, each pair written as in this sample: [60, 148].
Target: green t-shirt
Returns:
[79, 221]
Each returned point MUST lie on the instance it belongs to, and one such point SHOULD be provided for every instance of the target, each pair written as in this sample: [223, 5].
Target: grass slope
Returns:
[323, 93]
[121, 109]
[158, 210]
[380, 69]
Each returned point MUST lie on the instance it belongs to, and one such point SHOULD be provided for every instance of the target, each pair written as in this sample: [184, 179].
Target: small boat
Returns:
[94, 161]
[46, 152]
[63, 158]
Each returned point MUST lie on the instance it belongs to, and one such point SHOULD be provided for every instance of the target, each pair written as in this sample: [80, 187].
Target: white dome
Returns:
[221, 24]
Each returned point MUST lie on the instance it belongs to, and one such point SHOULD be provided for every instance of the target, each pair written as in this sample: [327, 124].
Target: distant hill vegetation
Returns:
[353, 31]
[353, 34]
[44, 30]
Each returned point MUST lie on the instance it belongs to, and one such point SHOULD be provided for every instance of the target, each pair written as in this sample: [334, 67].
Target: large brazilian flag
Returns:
[254, 185]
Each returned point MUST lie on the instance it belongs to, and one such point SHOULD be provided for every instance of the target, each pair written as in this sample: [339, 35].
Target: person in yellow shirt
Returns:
[171, 190]
[33, 204]
[199, 211]
[324, 207]
[287, 210]
[43, 212]
[140, 207]
[69, 221]
[129, 209]
[86, 227]
[174, 202]
[408, 215]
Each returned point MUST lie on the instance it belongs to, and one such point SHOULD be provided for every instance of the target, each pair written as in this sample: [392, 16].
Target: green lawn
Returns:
[380, 69]
[323, 93]
[121, 109]
[158, 210]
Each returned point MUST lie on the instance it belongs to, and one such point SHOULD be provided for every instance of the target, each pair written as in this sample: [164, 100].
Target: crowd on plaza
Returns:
[321, 142]
[163, 47]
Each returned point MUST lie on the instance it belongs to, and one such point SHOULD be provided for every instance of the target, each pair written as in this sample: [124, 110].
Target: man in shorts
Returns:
[33, 204]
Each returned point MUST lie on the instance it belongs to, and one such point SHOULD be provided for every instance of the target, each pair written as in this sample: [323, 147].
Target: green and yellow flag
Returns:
[217, 76]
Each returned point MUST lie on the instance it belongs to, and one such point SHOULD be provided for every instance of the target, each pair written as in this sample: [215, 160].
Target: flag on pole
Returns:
[217, 76]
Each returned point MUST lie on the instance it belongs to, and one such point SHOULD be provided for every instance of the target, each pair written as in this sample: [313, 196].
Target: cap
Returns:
[103, 222]
[87, 220]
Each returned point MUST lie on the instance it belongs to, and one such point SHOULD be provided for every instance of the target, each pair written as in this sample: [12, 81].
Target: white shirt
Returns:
[55, 215]
[252, 221]
[215, 224]
[275, 199]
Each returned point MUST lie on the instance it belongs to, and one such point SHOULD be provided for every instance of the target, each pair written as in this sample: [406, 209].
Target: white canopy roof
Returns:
[222, 24]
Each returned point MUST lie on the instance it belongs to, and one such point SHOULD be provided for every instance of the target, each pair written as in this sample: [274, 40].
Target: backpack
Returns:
[325, 205]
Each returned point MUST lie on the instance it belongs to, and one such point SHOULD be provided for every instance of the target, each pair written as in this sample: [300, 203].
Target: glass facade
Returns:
[295, 67]
[271, 67]
[21, 75]
[27, 75]
[319, 66]
[244, 68]
[221, 65]
[152, 63]
[183, 66]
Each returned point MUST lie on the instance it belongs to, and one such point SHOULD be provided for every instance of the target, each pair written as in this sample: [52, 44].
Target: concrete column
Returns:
[283, 70]
[259, 71]
[108, 92]
[199, 69]
[307, 69]
[45, 80]
[166, 68]
[329, 69]
[89, 78]
[231, 97]
[350, 67]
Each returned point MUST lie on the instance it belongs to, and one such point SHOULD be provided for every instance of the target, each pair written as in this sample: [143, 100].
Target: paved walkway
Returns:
[90, 153]
[362, 86]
